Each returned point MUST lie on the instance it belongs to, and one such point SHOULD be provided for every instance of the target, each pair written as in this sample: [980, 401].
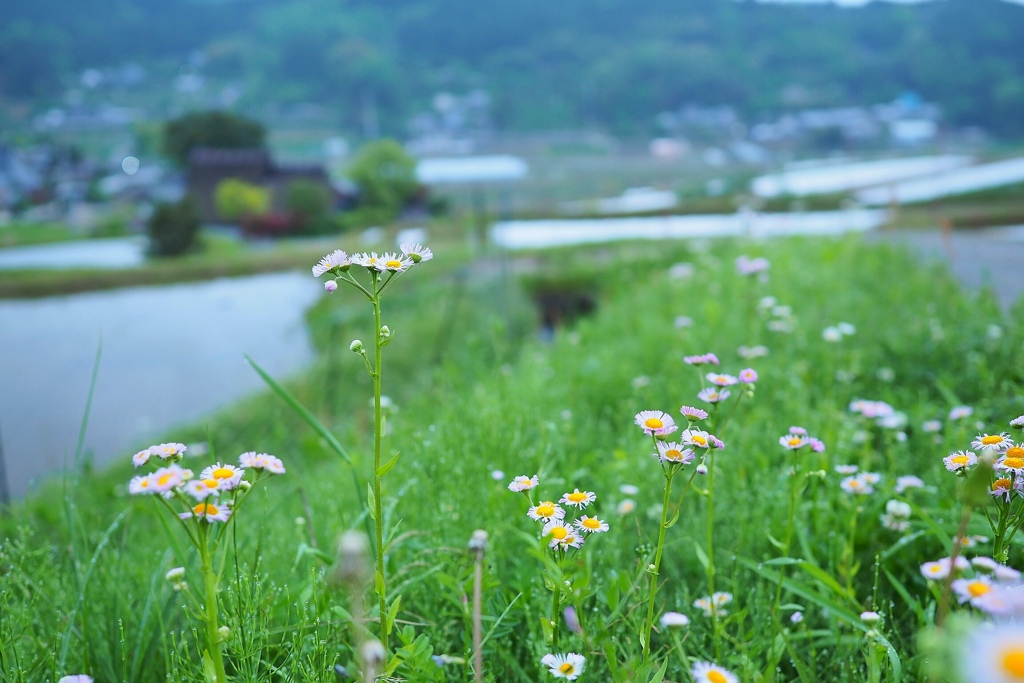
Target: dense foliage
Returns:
[607, 62]
[216, 129]
[173, 227]
[81, 574]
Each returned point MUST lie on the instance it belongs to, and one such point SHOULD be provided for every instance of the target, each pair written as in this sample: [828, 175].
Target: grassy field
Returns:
[478, 397]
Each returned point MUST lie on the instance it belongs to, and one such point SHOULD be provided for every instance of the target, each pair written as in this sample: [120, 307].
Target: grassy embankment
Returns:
[81, 574]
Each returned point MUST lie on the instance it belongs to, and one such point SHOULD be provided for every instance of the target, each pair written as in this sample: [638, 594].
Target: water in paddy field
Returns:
[126, 252]
[171, 354]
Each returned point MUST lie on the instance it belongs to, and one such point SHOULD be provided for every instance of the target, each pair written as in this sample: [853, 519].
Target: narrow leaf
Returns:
[386, 467]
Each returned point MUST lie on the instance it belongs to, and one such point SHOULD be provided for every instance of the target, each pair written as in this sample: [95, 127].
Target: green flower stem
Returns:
[657, 563]
[378, 517]
[793, 489]
[711, 551]
[211, 608]
[556, 599]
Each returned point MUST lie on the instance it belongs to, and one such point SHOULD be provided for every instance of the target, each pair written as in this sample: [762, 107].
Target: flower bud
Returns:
[175, 575]
[224, 632]
[330, 286]
[356, 346]
[372, 652]
[385, 332]
[870, 618]
[478, 541]
[702, 469]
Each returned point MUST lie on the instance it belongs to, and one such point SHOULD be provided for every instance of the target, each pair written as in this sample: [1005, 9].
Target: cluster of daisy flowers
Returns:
[338, 262]
[835, 333]
[713, 606]
[717, 390]
[563, 533]
[883, 414]
[780, 318]
[1006, 457]
[797, 439]
[683, 449]
[982, 583]
[857, 483]
[748, 267]
[208, 497]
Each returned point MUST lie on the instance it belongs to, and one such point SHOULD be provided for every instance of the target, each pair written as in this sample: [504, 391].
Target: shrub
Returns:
[173, 227]
[386, 176]
[237, 200]
[219, 129]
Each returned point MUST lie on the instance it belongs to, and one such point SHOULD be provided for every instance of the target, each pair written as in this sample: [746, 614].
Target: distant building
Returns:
[207, 168]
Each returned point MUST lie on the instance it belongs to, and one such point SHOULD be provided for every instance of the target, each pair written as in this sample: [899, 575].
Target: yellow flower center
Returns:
[794, 441]
[393, 264]
[935, 568]
[673, 454]
[992, 440]
[205, 509]
[978, 588]
[577, 497]
[1001, 484]
[653, 423]
[855, 484]
[567, 668]
[591, 522]
[545, 509]
[559, 533]
[1015, 452]
[144, 483]
[210, 483]
[959, 460]
[716, 677]
[1013, 662]
[1013, 463]
[163, 479]
[699, 440]
[223, 473]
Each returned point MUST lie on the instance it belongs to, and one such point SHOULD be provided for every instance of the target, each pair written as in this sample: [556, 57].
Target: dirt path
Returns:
[991, 257]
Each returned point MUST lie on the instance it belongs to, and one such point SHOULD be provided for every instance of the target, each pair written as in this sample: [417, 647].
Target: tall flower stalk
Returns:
[382, 270]
[203, 505]
[672, 456]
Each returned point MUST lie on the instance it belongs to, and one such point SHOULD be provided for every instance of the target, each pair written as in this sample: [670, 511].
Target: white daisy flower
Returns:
[674, 453]
[167, 479]
[416, 252]
[655, 422]
[935, 571]
[832, 334]
[856, 485]
[209, 512]
[709, 395]
[626, 506]
[524, 483]
[908, 481]
[674, 620]
[336, 259]
[721, 380]
[141, 485]
[984, 563]
[996, 442]
[578, 499]
[142, 457]
[393, 263]
[871, 477]
[559, 531]
[76, 678]
[968, 589]
[201, 489]
[959, 460]
[846, 469]
[1006, 574]
[545, 510]
[994, 654]
[274, 465]
[793, 442]
[368, 261]
[629, 489]
[228, 475]
[167, 451]
[932, 426]
[1004, 488]
[568, 666]
[846, 328]
[1017, 422]
[695, 438]
[591, 525]
[721, 598]
[960, 412]
[693, 414]
[707, 672]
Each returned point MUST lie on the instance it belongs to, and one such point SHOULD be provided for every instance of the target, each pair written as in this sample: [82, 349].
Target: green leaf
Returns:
[343, 613]
[675, 518]
[777, 543]
[827, 580]
[660, 675]
[894, 659]
[371, 502]
[209, 670]
[702, 556]
[392, 613]
[303, 412]
[386, 467]
[378, 583]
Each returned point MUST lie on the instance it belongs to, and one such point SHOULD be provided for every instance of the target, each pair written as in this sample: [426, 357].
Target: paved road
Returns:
[983, 257]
